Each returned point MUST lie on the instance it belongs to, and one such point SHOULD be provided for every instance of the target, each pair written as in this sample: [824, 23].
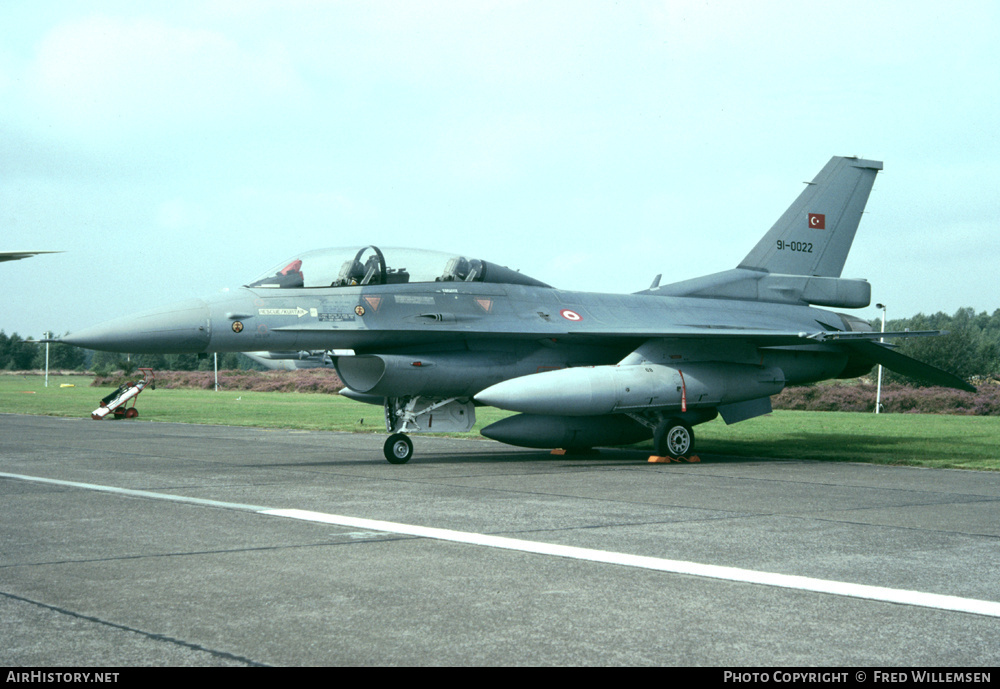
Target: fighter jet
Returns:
[430, 336]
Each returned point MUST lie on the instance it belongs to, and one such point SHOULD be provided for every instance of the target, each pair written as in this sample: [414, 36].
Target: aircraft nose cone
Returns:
[181, 328]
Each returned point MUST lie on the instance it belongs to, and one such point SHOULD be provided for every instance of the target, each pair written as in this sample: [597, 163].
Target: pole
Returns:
[48, 336]
[878, 393]
[216, 371]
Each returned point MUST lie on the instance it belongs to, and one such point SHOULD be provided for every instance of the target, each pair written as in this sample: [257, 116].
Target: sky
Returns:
[173, 149]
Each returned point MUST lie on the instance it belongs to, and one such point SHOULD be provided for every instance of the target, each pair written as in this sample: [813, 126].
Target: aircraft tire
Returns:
[131, 413]
[673, 438]
[398, 448]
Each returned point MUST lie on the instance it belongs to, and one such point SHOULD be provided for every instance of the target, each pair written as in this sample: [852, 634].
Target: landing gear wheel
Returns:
[398, 448]
[673, 438]
[131, 413]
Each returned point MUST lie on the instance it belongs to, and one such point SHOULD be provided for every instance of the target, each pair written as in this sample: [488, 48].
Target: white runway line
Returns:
[837, 588]
[790, 581]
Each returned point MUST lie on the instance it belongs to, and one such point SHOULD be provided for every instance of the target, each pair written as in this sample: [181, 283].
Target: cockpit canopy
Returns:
[371, 265]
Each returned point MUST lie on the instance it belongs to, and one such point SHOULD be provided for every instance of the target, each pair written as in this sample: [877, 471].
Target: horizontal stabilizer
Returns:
[900, 363]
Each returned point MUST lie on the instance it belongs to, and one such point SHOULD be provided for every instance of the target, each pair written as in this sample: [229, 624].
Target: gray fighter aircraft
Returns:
[431, 335]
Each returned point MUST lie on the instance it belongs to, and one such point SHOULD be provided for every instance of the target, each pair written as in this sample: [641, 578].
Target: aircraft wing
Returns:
[18, 255]
[827, 336]
[762, 337]
[861, 342]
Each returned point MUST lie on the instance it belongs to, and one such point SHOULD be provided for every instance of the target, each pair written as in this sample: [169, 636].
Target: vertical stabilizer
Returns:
[815, 234]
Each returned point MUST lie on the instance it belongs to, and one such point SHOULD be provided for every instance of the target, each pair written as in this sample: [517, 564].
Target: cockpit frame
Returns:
[370, 265]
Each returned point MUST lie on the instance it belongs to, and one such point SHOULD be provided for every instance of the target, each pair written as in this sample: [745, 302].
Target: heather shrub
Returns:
[896, 398]
[310, 380]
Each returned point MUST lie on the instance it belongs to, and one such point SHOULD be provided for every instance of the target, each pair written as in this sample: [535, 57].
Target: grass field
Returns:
[928, 440]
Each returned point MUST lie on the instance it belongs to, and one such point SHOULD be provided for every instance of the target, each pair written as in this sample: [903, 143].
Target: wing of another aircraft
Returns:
[291, 361]
[18, 255]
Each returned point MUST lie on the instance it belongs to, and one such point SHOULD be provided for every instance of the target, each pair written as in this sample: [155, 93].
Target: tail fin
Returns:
[800, 259]
[815, 234]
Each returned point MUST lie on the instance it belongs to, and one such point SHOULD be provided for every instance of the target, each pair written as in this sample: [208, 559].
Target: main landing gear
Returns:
[673, 438]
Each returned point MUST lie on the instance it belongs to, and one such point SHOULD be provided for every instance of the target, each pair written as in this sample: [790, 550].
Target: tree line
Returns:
[19, 354]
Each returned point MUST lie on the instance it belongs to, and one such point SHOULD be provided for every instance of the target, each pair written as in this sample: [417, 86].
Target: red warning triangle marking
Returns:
[485, 304]
[373, 301]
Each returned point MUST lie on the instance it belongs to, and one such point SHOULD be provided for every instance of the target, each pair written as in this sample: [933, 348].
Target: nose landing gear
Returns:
[422, 415]
[398, 448]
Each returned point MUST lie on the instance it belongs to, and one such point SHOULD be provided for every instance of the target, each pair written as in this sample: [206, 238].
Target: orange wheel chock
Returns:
[656, 459]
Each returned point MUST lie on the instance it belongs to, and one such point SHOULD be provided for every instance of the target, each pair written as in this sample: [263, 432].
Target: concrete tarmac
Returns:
[132, 543]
